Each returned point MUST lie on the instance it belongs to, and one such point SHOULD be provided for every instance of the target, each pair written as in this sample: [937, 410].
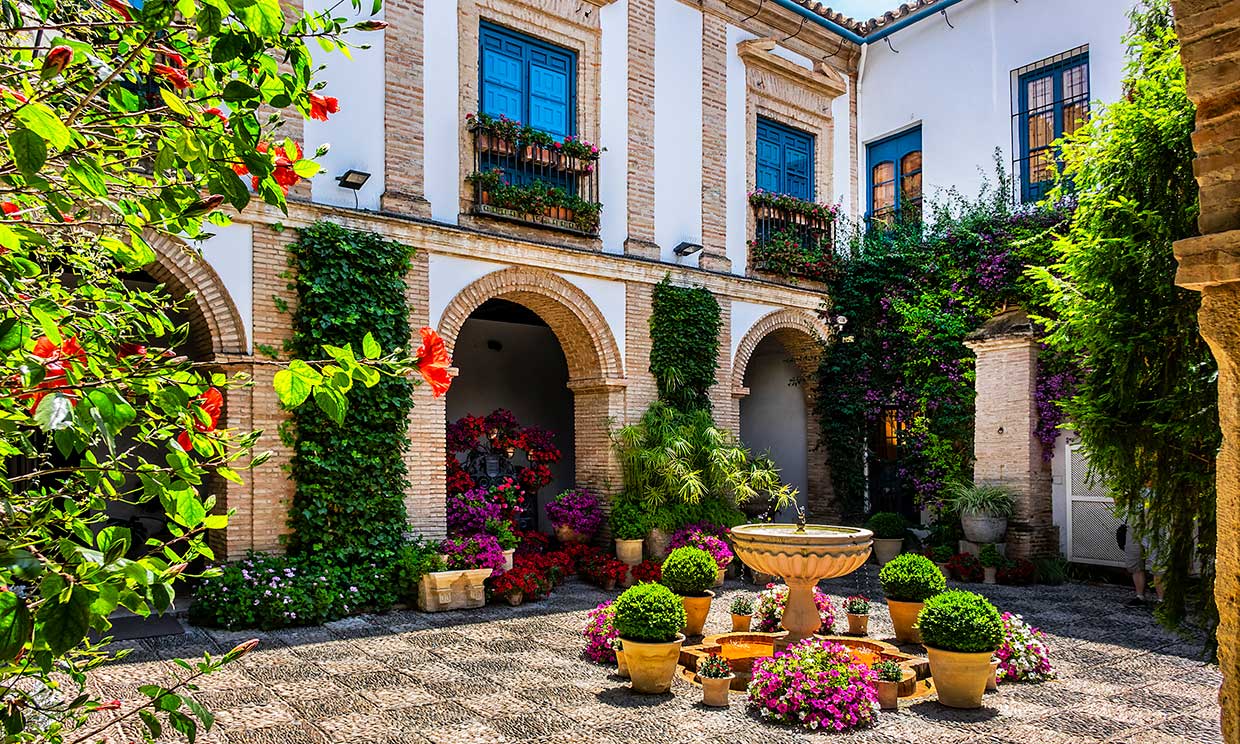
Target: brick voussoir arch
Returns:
[802, 333]
[215, 327]
[578, 324]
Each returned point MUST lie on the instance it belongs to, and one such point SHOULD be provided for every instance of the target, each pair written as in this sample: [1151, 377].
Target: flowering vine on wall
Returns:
[502, 433]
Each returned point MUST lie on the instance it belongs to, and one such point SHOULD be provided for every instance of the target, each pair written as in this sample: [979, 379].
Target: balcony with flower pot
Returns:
[793, 238]
[525, 175]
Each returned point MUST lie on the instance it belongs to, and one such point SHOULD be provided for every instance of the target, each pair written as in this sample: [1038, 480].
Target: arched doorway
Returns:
[774, 376]
[535, 344]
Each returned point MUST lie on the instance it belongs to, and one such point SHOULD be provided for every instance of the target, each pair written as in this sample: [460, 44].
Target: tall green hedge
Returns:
[684, 344]
[351, 478]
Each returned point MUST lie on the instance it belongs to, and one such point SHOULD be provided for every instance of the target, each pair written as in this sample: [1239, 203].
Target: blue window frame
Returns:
[894, 179]
[527, 80]
[785, 160]
[1053, 101]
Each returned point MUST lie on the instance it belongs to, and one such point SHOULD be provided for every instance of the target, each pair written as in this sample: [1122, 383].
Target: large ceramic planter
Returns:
[715, 690]
[904, 618]
[696, 610]
[651, 665]
[858, 625]
[982, 528]
[622, 665]
[886, 548]
[567, 534]
[656, 544]
[990, 574]
[508, 558]
[629, 552]
[960, 678]
[740, 623]
[452, 590]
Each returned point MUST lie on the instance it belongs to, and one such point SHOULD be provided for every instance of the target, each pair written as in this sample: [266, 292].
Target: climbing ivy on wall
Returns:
[684, 344]
[351, 478]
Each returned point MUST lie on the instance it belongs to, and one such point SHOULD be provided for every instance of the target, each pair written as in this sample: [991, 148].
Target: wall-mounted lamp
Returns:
[353, 179]
[686, 249]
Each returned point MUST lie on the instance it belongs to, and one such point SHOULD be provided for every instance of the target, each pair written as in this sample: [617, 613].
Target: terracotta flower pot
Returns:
[715, 690]
[989, 574]
[858, 625]
[886, 548]
[508, 559]
[629, 552]
[888, 694]
[720, 575]
[992, 684]
[567, 534]
[514, 598]
[656, 544]
[622, 666]
[904, 618]
[652, 665]
[740, 623]
[696, 609]
[960, 678]
[609, 585]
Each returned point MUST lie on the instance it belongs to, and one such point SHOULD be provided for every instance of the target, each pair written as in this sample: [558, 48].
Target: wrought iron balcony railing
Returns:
[793, 238]
[543, 182]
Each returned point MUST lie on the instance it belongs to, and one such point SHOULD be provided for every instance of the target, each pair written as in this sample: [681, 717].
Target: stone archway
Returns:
[802, 334]
[215, 327]
[595, 367]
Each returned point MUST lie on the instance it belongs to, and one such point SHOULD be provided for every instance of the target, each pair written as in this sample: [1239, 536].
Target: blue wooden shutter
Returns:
[551, 74]
[527, 80]
[502, 63]
[784, 160]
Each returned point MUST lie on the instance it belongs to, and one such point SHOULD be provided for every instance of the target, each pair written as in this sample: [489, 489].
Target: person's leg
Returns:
[1135, 565]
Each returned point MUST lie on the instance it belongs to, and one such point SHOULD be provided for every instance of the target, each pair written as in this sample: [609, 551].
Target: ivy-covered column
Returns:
[1006, 449]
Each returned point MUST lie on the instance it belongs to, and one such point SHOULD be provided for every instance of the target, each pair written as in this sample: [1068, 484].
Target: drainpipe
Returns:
[855, 38]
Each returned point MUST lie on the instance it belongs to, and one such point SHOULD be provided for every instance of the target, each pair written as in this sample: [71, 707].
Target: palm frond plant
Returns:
[980, 498]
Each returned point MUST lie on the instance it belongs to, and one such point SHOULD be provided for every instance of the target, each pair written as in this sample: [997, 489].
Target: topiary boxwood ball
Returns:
[649, 613]
[960, 621]
[887, 526]
[911, 578]
[689, 571]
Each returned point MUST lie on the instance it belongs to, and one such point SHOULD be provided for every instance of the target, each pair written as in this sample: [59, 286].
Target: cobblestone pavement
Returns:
[502, 674]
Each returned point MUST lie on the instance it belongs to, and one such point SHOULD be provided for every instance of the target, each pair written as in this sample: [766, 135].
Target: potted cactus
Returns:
[648, 619]
[858, 610]
[742, 613]
[690, 572]
[716, 677]
[889, 531]
[961, 631]
[908, 581]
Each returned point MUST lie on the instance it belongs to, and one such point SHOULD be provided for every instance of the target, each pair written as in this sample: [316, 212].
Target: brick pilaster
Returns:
[641, 130]
[714, 143]
[403, 110]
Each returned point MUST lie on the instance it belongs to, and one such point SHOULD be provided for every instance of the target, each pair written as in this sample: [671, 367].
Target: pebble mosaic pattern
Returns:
[501, 675]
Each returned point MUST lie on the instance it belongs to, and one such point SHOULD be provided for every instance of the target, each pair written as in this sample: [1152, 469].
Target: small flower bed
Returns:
[788, 253]
[647, 571]
[516, 133]
[606, 570]
[1018, 571]
[474, 551]
[1023, 655]
[817, 684]
[600, 633]
[528, 582]
[714, 667]
[769, 615]
[695, 537]
[965, 567]
[579, 510]
[537, 198]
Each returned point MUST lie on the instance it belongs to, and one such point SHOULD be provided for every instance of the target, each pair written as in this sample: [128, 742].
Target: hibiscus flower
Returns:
[54, 360]
[321, 106]
[172, 75]
[211, 402]
[433, 362]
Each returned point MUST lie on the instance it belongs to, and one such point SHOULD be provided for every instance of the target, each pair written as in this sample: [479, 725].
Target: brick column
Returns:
[403, 120]
[1005, 448]
[640, 241]
[1208, 32]
[714, 144]
[596, 403]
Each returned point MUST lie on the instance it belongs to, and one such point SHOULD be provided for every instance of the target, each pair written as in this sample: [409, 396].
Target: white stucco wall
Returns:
[614, 130]
[355, 133]
[609, 297]
[440, 90]
[677, 128]
[744, 315]
[958, 82]
[737, 165]
[230, 251]
[841, 156]
[773, 415]
[1059, 490]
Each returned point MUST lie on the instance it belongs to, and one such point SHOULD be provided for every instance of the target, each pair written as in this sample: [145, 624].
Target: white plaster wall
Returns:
[449, 275]
[737, 166]
[614, 112]
[441, 89]
[677, 128]
[230, 251]
[773, 415]
[609, 297]
[958, 82]
[1059, 490]
[841, 156]
[744, 315]
[356, 132]
[795, 58]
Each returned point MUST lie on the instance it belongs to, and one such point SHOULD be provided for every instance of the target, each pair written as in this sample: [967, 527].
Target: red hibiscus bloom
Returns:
[55, 358]
[57, 59]
[10, 208]
[211, 402]
[216, 112]
[130, 349]
[120, 8]
[172, 75]
[321, 106]
[10, 92]
[433, 362]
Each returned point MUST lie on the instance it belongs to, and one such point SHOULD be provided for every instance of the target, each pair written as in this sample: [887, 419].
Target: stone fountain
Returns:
[802, 554]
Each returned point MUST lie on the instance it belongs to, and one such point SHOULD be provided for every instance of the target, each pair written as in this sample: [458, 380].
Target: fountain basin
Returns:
[812, 552]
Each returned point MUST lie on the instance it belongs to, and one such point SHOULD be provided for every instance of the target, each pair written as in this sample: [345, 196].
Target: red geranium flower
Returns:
[211, 402]
[321, 106]
[433, 362]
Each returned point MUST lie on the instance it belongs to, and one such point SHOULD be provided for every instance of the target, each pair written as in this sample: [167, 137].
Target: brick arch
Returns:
[215, 326]
[803, 335]
[578, 324]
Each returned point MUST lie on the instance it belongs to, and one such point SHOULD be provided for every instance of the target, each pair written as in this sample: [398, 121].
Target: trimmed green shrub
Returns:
[911, 578]
[628, 521]
[649, 613]
[989, 556]
[960, 621]
[689, 571]
[887, 526]
[413, 561]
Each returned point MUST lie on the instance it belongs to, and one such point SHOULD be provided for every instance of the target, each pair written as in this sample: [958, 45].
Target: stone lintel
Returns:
[1208, 260]
[823, 80]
